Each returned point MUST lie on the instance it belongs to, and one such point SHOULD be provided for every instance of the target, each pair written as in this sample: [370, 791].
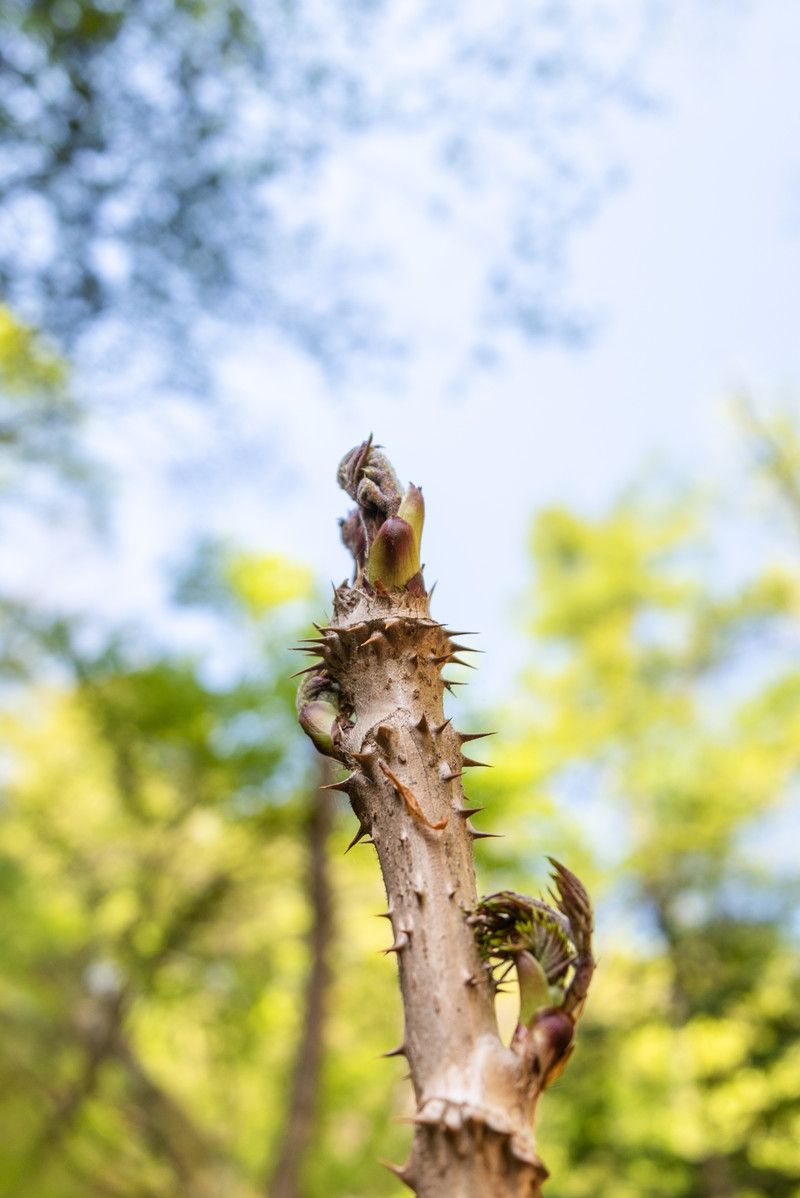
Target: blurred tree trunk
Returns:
[286, 1177]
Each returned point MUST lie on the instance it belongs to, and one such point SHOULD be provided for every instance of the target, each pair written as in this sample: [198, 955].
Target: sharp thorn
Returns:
[346, 785]
[400, 943]
[464, 648]
[399, 1171]
[485, 835]
[365, 760]
[467, 736]
[467, 761]
[468, 811]
[314, 669]
[400, 1051]
[422, 725]
[360, 834]
[439, 729]
[384, 915]
[377, 638]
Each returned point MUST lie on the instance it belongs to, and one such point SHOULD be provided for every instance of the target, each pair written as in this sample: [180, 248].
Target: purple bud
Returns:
[394, 555]
[318, 720]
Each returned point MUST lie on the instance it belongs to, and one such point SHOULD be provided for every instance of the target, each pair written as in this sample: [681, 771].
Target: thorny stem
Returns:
[374, 701]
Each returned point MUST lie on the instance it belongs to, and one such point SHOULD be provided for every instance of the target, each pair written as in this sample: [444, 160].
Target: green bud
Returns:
[534, 991]
[318, 720]
[412, 509]
[394, 554]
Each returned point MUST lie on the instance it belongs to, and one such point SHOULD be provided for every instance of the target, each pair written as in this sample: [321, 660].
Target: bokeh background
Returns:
[549, 254]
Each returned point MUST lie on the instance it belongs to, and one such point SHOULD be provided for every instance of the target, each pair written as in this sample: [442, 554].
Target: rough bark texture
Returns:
[474, 1104]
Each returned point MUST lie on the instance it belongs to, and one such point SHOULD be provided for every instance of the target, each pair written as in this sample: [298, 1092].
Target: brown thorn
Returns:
[360, 834]
[314, 669]
[400, 1051]
[467, 736]
[400, 1171]
[377, 638]
[450, 776]
[384, 734]
[464, 648]
[384, 915]
[346, 785]
[400, 943]
[422, 725]
[484, 835]
[467, 761]
[439, 729]
[468, 811]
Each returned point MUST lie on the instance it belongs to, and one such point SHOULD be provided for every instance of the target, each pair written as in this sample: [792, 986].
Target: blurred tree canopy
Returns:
[157, 153]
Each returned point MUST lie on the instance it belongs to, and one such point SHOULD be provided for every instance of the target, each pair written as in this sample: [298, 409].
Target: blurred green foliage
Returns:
[39, 418]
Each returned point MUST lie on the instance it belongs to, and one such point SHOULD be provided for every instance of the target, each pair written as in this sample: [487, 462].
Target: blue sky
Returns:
[691, 271]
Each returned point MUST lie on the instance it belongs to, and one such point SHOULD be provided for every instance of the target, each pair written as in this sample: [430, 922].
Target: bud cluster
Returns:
[384, 532]
[551, 950]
